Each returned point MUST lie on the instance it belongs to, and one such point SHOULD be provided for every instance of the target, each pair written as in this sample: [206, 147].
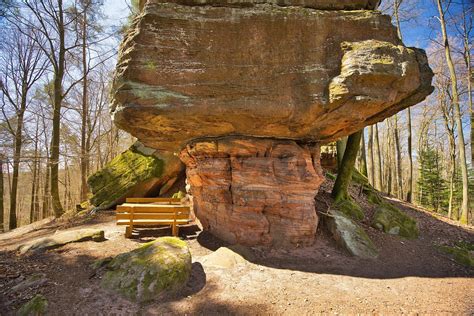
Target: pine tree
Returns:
[431, 185]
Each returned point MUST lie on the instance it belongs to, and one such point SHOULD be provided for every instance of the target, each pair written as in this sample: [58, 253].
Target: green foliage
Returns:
[179, 195]
[36, 306]
[431, 185]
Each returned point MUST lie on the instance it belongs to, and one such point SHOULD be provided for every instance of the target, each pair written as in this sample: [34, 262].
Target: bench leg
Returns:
[128, 232]
[174, 230]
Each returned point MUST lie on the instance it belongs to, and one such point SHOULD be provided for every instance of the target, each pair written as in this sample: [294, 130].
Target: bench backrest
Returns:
[152, 211]
[153, 200]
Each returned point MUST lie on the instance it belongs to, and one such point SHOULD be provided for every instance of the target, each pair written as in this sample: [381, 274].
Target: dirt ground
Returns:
[409, 277]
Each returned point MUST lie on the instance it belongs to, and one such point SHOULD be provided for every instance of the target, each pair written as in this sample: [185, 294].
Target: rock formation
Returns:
[246, 90]
[137, 172]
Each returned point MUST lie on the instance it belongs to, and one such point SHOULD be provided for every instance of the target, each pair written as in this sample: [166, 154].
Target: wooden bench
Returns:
[142, 212]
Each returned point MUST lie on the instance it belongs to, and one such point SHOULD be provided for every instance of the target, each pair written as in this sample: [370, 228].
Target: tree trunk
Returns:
[57, 104]
[85, 112]
[344, 173]
[363, 158]
[370, 154]
[457, 115]
[377, 160]
[340, 149]
[16, 162]
[2, 210]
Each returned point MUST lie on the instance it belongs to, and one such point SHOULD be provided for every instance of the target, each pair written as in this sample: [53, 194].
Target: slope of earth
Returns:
[409, 276]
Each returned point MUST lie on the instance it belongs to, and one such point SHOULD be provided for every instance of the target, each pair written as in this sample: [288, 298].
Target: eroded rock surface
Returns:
[157, 268]
[264, 70]
[255, 191]
[61, 238]
[245, 90]
[139, 171]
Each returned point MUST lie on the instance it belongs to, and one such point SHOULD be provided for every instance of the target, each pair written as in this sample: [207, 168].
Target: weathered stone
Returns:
[350, 209]
[223, 258]
[314, 4]
[255, 191]
[462, 252]
[35, 307]
[264, 70]
[391, 220]
[139, 171]
[34, 280]
[157, 268]
[61, 238]
[349, 235]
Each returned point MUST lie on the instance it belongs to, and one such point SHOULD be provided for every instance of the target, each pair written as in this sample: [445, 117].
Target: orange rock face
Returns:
[255, 191]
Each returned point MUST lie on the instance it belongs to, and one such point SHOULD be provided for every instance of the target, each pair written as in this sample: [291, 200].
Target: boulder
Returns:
[391, 220]
[35, 307]
[157, 268]
[223, 258]
[137, 172]
[262, 70]
[349, 235]
[61, 238]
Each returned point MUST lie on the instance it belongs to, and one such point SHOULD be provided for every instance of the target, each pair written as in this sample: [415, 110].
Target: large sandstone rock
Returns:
[265, 70]
[159, 267]
[246, 90]
[137, 172]
[255, 191]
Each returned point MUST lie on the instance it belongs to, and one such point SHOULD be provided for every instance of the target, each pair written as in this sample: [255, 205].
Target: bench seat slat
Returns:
[137, 216]
[152, 222]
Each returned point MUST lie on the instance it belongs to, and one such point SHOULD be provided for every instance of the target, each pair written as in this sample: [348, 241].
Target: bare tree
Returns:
[457, 113]
[23, 65]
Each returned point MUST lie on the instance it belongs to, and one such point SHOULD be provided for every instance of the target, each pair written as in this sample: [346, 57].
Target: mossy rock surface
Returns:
[156, 268]
[62, 238]
[391, 220]
[36, 306]
[350, 209]
[350, 236]
[463, 253]
[120, 175]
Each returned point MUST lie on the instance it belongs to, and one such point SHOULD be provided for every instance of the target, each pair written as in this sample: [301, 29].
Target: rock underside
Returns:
[255, 191]
[245, 90]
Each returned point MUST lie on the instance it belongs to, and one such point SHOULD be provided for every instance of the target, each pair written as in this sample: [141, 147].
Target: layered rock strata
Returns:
[255, 191]
[238, 87]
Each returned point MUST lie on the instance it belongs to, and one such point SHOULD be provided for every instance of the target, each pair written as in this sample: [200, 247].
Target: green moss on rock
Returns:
[463, 253]
[124, 172]
[391, 220]
[159, 267]
[350, 209]
[350, 236]
[36, 306]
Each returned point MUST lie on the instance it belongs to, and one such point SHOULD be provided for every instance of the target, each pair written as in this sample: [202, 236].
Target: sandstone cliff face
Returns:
[255, 191]
[186, 72]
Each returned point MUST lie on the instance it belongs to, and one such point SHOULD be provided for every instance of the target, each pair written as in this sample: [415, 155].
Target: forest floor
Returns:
[408, 277]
